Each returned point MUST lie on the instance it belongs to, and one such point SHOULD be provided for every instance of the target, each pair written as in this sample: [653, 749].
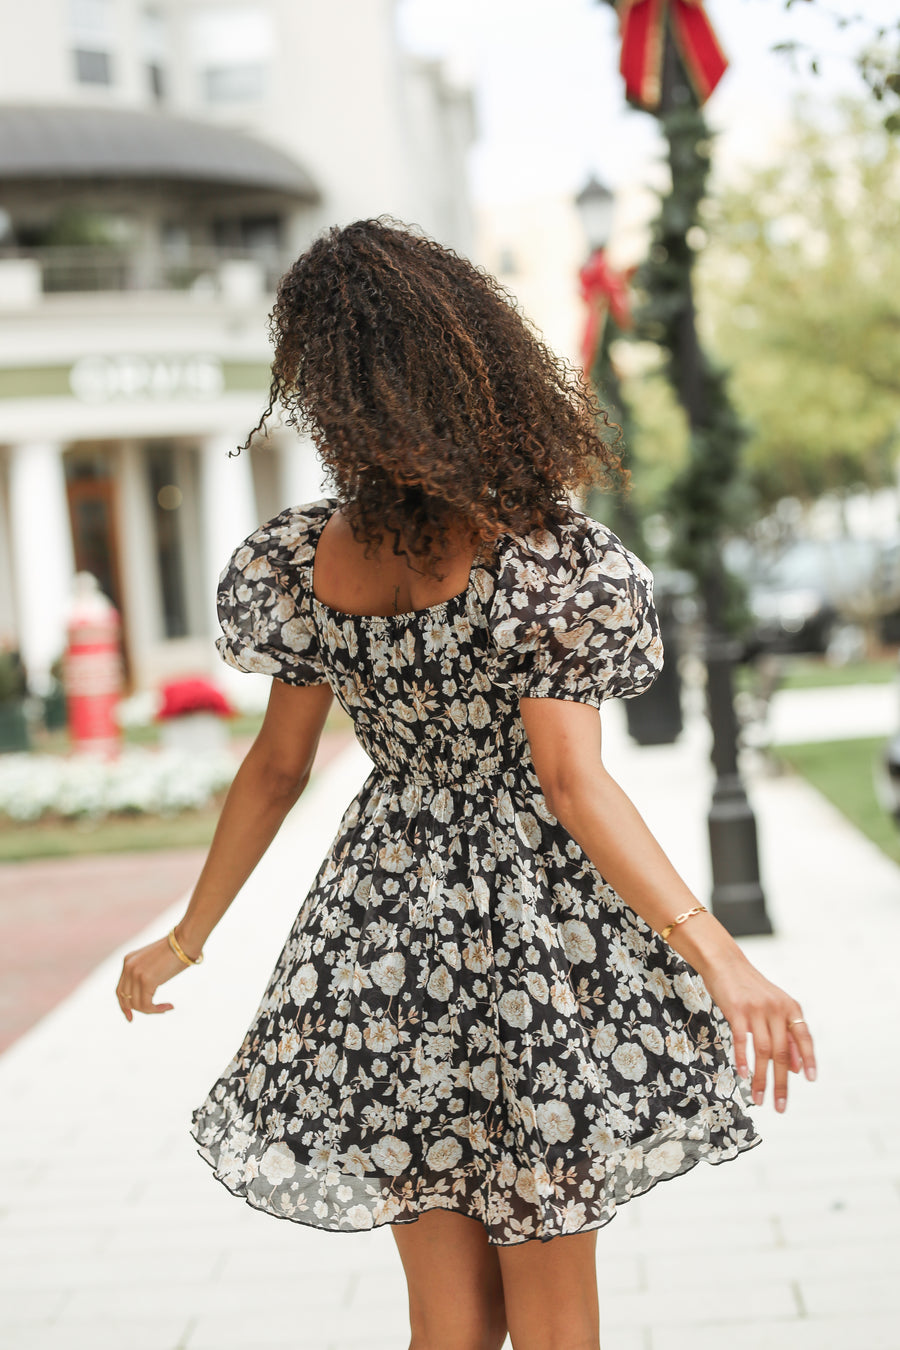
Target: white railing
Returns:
[227, 272]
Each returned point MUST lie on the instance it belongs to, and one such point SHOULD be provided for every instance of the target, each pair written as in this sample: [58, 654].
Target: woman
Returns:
[500, 1012]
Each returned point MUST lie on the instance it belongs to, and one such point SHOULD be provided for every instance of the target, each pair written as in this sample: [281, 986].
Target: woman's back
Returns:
[351, 578]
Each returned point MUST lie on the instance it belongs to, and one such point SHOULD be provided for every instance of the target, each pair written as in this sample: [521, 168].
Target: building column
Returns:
[140, 569]
[229, 512]
[43, 561]
[302, 476]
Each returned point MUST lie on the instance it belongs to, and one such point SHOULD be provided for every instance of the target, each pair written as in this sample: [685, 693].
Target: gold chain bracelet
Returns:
[680, 918]
[181, 953]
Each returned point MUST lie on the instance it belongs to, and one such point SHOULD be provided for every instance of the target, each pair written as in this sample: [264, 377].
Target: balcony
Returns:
[208, 272]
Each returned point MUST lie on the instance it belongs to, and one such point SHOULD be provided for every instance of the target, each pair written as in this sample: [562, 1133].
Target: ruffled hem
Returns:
[385, 1208]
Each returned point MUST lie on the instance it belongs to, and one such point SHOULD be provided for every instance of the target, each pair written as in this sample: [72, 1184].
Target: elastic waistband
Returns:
[439, 776]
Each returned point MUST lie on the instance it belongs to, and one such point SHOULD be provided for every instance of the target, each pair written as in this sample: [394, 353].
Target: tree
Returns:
[800, 294]
[877, 57]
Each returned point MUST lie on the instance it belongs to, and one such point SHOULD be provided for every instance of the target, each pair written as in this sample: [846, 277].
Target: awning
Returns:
[64, 142]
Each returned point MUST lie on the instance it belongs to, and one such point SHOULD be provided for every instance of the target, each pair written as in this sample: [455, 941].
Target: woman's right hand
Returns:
[753, 1004]
[143, 971]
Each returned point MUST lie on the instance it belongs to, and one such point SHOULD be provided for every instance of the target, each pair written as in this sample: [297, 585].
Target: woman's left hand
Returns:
[774, 1019]
[143, 971]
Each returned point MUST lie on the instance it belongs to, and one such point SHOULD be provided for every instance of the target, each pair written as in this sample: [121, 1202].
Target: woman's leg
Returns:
[550, 1292]
[455, 1287]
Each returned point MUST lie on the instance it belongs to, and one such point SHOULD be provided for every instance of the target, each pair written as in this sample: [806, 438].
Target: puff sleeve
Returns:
[263, 603]
[572, 616]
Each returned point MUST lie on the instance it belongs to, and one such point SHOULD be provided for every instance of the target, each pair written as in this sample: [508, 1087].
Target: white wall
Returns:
[35, 66]
[545, 239]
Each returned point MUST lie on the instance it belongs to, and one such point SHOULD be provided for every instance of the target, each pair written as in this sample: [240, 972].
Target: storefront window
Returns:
[232, 50]
[91, 37]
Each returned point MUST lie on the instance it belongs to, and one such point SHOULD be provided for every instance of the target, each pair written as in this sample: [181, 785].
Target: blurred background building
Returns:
[161, 164]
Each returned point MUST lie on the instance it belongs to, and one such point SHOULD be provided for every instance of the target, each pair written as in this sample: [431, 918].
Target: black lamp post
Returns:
[698, 496]
[737, 895]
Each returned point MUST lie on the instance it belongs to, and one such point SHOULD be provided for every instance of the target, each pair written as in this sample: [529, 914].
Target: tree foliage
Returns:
[799, 291]
[876, 54]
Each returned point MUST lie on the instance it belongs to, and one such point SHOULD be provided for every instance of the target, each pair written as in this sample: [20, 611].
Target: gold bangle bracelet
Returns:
[181, 953]
[680, 918]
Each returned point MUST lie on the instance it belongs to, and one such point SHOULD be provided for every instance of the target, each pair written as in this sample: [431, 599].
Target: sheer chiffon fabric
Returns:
[464, 1015]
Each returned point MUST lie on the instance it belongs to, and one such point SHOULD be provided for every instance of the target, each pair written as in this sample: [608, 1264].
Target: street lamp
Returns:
[670, 81]
[604, 290]
[737, 896]
[595, 206]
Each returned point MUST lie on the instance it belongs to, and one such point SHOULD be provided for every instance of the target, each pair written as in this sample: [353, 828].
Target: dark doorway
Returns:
[93, 513]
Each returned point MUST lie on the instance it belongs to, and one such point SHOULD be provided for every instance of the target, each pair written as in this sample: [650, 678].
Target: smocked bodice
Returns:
[566, 612]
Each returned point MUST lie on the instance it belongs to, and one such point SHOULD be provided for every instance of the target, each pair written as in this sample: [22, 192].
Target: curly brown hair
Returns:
[431, 399]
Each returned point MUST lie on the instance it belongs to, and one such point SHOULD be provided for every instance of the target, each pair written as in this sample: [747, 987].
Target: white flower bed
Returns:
[151, 782]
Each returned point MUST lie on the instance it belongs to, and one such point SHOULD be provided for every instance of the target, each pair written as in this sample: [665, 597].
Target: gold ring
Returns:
[796, 1020]
[128, 996]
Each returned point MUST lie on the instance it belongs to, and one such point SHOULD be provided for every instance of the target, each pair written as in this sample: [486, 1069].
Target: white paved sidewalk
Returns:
[840, 713]
[114, 1232]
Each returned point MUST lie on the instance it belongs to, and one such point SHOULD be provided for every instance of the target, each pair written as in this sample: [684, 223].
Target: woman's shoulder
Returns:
[571, 613]
[263, 598]
[567, 544]
[287, 540]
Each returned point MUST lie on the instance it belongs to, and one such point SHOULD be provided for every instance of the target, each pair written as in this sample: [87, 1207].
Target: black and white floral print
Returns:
[464, 1015]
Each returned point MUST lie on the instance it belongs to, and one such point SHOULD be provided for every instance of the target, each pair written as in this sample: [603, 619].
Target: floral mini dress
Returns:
[464, 1015]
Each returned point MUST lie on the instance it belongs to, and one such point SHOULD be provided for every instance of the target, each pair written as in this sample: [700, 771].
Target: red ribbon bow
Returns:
[603, 291]
[643, 25]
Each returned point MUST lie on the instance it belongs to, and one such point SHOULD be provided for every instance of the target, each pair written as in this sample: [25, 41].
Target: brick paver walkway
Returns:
[59, 917]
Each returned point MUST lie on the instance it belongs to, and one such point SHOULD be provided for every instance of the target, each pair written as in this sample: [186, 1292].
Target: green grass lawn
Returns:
[844, 772]
[814, 672]
[114, 834]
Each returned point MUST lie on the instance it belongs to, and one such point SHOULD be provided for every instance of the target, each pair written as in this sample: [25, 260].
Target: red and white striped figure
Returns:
[93, 669]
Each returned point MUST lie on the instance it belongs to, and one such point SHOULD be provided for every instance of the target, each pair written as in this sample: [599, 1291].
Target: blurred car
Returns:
[890, 577]
[887, 779]
[817, 596]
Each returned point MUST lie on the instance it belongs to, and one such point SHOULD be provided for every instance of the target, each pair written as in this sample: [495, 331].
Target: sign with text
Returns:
[110, 379]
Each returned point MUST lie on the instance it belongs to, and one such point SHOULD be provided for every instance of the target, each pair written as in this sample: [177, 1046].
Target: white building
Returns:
[160, 165]
[536, 249]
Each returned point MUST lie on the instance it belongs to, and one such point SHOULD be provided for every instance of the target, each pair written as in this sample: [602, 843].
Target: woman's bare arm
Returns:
[565, 740]
[272, 776]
